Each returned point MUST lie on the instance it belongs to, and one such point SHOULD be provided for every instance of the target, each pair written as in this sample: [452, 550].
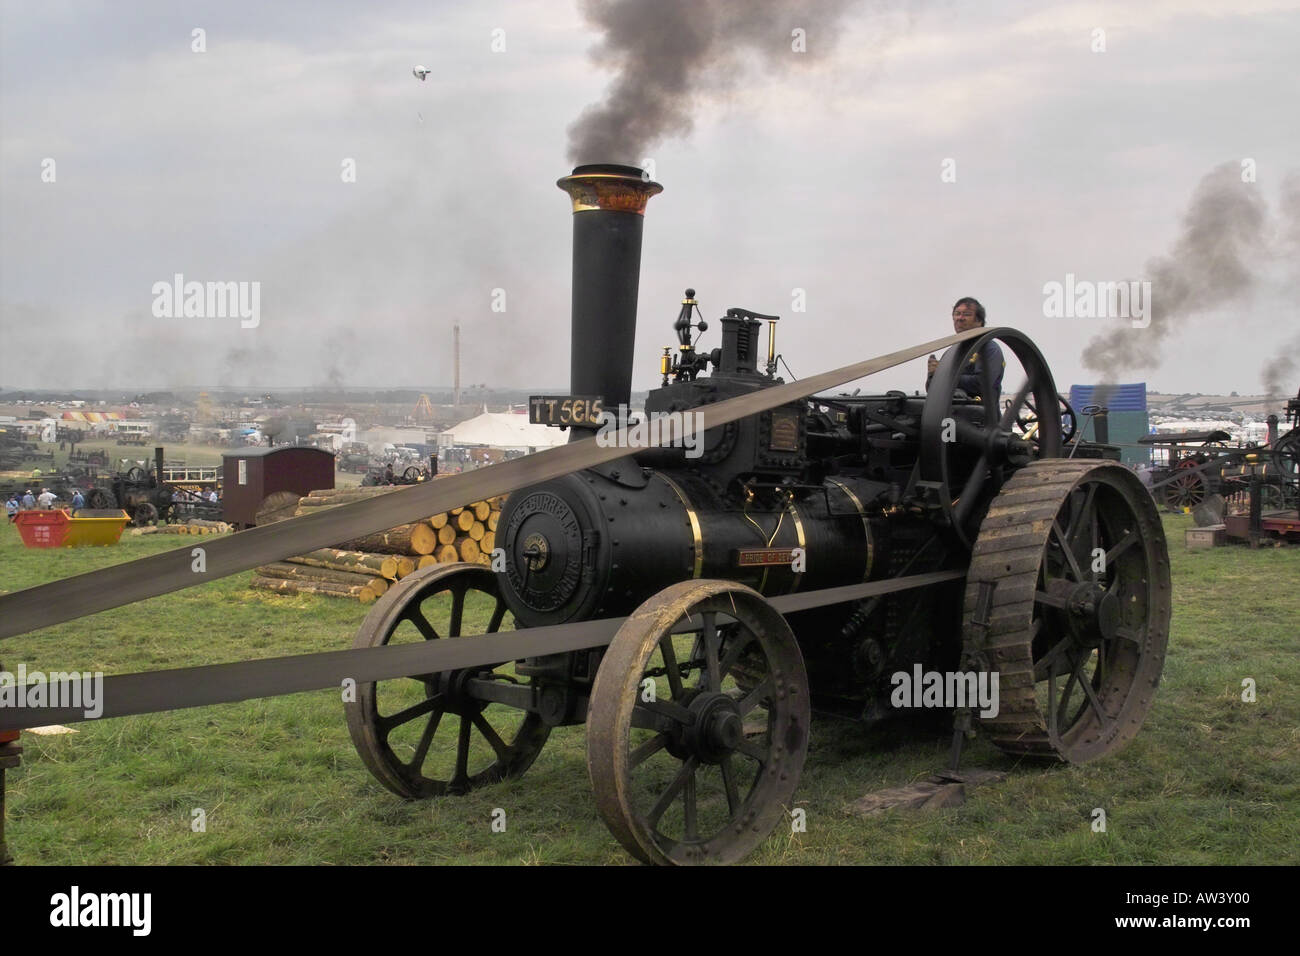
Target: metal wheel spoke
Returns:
[1096, 536]
[670, 794]
[733, 653]
[499, 746]
[751, 749]
[457, 612]
[1085, 512]
[970, 492]
[426, 738]
[690, 808]
[1051, 600]
[647, 750]
[498, 614]
[729, 784]
[428, 705]
[416, 617]
[1047, 664]
[1063, 715]
[1091, 693]
[674, 675]
[462, 753]
[755, 696]
[652, 709]
[1124, 543]
[710, 637]
[1067, 550]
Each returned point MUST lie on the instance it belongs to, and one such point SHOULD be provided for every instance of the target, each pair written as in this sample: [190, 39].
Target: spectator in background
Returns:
[78, 502]
[12, 506]
[29, 501]
[46, 499]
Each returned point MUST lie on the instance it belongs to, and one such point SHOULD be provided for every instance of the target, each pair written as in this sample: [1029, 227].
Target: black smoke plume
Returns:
[1278, 373]
[1212, 264]
[671, 54]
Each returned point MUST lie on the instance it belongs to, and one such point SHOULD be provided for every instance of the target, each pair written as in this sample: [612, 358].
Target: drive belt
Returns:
[154, 691]
[83, 594]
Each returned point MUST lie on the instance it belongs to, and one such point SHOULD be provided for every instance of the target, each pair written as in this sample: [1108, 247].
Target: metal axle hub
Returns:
[717, 729]
[1094, 613]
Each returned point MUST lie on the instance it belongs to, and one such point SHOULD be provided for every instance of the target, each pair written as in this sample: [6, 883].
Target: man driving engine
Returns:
[969, 314]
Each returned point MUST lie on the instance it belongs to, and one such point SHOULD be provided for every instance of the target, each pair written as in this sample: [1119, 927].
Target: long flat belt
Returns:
[95, 591]
[154, 691]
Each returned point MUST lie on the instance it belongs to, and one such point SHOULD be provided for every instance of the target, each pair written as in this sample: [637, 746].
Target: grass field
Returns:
[1210, 779]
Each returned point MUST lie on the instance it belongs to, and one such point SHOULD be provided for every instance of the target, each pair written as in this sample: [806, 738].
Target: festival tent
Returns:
[506, 430]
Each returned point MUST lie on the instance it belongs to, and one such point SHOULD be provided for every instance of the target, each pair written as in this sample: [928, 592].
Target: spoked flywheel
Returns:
[1079, 616]
[434, 734]
[698, 725]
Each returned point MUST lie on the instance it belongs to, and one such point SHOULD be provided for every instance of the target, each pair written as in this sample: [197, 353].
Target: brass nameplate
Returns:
[585, 410]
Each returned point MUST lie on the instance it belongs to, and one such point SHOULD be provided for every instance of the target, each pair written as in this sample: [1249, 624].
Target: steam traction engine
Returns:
[791, 559]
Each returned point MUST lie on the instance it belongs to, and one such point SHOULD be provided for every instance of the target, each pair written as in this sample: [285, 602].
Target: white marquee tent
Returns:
[506, 430]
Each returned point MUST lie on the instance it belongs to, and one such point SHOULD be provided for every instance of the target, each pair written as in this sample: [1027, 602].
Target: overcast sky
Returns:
[822, 171]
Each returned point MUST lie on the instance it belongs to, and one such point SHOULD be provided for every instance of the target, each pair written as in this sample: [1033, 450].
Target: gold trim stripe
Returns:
[866, 526]
[803, 543]
[698, 541]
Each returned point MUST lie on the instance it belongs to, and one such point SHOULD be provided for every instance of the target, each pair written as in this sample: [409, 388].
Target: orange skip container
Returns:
[58, 529]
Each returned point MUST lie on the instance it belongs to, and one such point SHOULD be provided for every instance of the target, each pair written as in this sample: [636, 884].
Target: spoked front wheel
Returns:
[436, 734]
[698, 725]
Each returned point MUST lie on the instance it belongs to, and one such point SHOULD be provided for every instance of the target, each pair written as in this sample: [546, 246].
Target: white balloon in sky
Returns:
[420, 73]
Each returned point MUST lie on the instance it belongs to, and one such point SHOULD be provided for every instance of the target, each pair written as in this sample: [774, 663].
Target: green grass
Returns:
[1210, 779]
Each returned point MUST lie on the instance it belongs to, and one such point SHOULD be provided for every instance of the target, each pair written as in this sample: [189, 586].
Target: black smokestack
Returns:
[670, 54]
[1209, 267]
[608, 210]
[1101, 427]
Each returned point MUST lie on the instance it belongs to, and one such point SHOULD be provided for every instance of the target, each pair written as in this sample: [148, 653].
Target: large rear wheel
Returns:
[1079, 617]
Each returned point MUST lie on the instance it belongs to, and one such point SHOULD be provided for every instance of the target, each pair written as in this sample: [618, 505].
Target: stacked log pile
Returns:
[363, 569]
[193, 526]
